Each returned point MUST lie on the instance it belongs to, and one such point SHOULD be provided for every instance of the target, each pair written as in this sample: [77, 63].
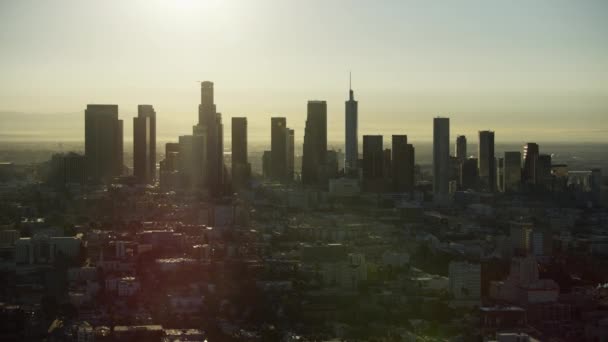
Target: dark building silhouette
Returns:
[373, 162]
[544, 179]
[67, 168]
[461, 148]
[351, 138]
[291, 150]
[169, 167]
[103, 142]
[487, 161]
[278, 148]
[512, 171]
[403, 164]
[241, 169]
[314, 158]
[469, 174]
[211, 127]
[144, 144]
[500, 177]
[441, 156]
[530, 155]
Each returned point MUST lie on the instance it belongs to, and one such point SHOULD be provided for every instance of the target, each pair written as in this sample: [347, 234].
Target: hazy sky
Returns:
[530, 70]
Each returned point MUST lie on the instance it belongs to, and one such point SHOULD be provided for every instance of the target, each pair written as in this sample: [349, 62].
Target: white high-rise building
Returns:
[351, 135]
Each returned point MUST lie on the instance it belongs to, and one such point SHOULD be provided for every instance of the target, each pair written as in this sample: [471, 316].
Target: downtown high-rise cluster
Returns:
[195, 162]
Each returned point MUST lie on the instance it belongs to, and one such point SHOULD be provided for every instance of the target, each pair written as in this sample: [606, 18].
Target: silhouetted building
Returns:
[512, 172]
[543, 172]
[103, 142]
[144, 144]
[487, 161]
[403, 164]
[500, 177]
[373, 162]
[351, 136]
[530, 157]
[278, 148]
[291, 151]
[200, 160]
[441, 155]
[314, 156]
[211, 127]
[186, 161]
[461, 148]
[387, 165]
[67, 168]
[469, 174]
[241, 169]
[169, 167]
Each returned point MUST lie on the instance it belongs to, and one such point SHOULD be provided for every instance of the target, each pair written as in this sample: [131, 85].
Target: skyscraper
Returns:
[461, 148]
[210, 122]
[291, 150]
[144, 144]
[543, 172]
[103, 142]
[278, 148]
[373, 163]
[241, 168]
[186, 161]
[469, 174]
[351, 135]
[441, 155]
[403, 164]
[512, 172]
[169, 167]
[530, 158]
[500, 177]
[487, 160]
[315, 145]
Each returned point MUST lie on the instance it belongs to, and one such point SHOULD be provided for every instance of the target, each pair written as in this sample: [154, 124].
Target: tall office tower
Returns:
[199, 160]
[210, 122]
[315, 145]
[530, 157]
[169, 167]
[500, 177]
[487, 161]
[351, 135]
[278, 148]
[186, 161]
[403, 164]
[119, 166]
[103, 142]
[544, 179]
[461, 148]
[441, 155]
[512, 172]
[469, 174]
[291, 152]
[241, 168]
[144, 144]
[373, 162]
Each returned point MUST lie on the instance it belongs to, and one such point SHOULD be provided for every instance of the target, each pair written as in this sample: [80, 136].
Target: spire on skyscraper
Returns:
[350, 87]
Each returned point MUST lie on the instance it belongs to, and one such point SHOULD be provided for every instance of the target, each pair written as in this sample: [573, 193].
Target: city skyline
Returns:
[529, 68]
